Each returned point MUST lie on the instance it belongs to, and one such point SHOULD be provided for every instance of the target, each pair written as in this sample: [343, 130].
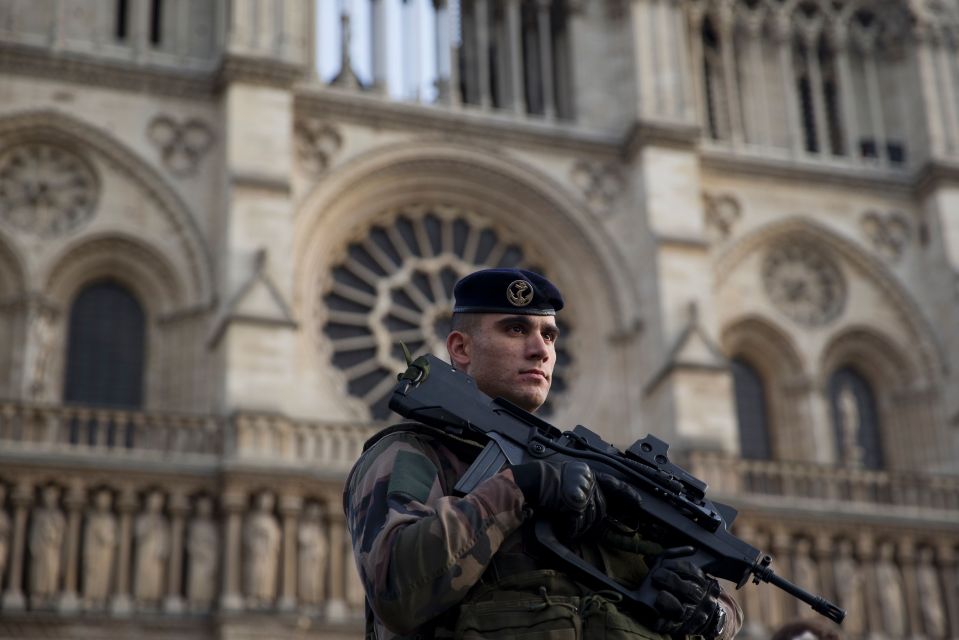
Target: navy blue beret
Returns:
[506, 291]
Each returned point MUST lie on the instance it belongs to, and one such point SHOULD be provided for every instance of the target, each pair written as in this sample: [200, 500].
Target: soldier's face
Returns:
[509, 355]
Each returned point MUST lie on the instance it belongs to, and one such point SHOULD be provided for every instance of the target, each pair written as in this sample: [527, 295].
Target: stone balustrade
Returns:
[730, 476]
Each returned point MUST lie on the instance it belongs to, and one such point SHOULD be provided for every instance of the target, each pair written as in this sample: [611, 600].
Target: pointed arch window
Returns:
[752, 412]
[855, 418]
[105, 347]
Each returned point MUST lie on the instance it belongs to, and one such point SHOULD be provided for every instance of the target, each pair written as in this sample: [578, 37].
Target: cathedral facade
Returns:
[220, 220]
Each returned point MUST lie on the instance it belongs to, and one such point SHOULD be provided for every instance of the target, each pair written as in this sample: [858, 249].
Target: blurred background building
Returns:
[218, 220]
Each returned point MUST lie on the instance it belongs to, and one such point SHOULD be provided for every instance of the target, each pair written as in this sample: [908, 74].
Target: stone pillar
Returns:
[336, 608]
[290, 507]
[22, 499]
[947, 86]
[930, 88]
[233, 503]
[517, 86]
[847, 94]
[810, 37]
[694, 18]
[545, 40]
[378, 35]
[866, 552]
[783, 30]
[443, 46]
[727, 35]
[179, 507]
[906, 550]
[824, 555]
[481, 23]
[949, 578]
[867, 43]
[74, 502]
[755, 106]
[121, 604]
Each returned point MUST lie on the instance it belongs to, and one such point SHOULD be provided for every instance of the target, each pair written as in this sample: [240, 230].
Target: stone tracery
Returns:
[394, 285]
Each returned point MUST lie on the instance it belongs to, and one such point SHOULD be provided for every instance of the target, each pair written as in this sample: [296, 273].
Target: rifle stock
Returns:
[674, 501]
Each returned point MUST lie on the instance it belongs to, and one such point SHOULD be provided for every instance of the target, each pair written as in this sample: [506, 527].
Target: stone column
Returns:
[847, 96]
[546, 57]
[694, 18]
[755, 107]
[126, 506]
[867, 43]
[179, 507]
[22, 499]
[513, 28]
[776, 600]
[290, 507]
[727, 34]
[233, 503]
[866, 552]
[949, 578]
[930, 88]
[378, 35]
[74, 502]
[336, 608]
[784, 38]
[948, 91]
[824, 554]
[481, 18]
[810, 37]
[906, 550]
[445, 90]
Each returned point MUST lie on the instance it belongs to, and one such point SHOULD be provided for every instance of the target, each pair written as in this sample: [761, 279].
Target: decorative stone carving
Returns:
[599, 183]
[261, 546]
[39, 348]
[99, 546]
[181, 144]
[418, 252]
[4, 533]
[203, 549]
[152, 551]
[850, 423]
[889, 234]
[45, 189]
[721, 212]
[930, 596]
[316, 144]
[804, 283]
[849, 589]
[313, 555]
[892, 607]
[46, 548]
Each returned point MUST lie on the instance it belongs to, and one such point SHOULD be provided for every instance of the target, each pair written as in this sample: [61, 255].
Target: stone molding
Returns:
[57, 126]
[927, 341]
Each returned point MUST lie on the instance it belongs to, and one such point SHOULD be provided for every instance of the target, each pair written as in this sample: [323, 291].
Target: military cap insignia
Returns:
[519, 293]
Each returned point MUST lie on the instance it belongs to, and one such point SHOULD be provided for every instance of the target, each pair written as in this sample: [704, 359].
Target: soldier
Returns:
[436, 565]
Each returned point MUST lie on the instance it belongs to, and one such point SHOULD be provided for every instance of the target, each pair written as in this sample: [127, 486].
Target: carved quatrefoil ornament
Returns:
[804, 283]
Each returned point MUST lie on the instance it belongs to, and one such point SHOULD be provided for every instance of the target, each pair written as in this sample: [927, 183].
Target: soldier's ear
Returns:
[460, 347]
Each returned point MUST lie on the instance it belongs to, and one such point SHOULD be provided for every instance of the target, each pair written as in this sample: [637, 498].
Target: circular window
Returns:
[45, 189]
[804, 283]
[395, 285]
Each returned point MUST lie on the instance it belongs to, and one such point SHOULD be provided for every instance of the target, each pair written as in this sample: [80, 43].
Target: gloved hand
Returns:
[568, 489]
[686, 600]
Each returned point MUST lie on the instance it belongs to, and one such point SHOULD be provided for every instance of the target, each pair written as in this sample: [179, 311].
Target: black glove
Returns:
[568, 489]
[686, 600]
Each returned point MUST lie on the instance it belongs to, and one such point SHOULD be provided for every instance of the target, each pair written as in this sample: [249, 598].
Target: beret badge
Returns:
[519, 293]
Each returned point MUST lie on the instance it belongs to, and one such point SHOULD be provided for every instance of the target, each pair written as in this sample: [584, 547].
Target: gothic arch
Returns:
[511, 198]
[767, 347]
[874, 355]
[508, 192]
[928, 362]
[55, 126]
[128, 260]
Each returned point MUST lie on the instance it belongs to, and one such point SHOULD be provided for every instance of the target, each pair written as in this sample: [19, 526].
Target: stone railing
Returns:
[820, 484]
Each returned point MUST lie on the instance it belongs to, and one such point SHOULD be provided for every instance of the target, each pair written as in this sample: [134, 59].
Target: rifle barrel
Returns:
[819, 605]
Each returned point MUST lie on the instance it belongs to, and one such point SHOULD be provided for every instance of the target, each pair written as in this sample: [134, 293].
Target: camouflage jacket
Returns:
[419, 550]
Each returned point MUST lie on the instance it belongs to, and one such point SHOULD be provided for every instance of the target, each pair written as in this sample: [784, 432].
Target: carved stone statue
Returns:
[4, 533]
[804, 567]
[313, 555]
[152, 550]
[849, 589]
[930, 596]
[46, 547]
[891, 597]
[99, 547]
[850, 424]
[261, 542]
[202, 547]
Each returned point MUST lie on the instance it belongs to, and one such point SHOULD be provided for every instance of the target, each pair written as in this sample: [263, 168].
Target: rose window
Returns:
[45, 189]
[395, 285]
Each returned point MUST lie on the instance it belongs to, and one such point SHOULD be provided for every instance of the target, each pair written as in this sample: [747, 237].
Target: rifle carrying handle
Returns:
[486, 465]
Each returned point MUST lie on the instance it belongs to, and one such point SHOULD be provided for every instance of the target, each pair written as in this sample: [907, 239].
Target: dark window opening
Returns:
[711, 76]
[156, 22]
[123, 15]
[751, 411]
[105, 348]
[855, 418]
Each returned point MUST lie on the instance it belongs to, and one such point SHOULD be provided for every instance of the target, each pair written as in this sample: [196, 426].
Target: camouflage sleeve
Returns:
[417, 549]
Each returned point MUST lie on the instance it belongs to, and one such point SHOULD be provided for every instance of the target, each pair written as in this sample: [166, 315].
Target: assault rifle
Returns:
[673, 501]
